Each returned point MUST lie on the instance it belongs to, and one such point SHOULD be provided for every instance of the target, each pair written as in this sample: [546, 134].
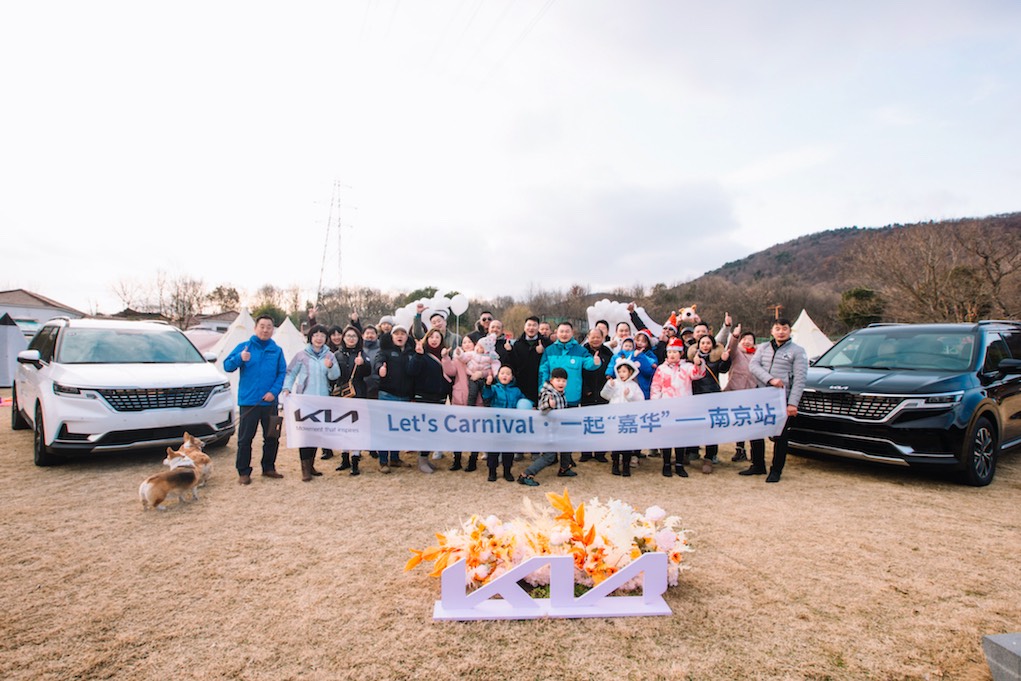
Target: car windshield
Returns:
[902, 348]
[125, 346]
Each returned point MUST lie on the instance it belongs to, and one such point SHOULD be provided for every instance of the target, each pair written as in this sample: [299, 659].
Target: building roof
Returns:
[23, 298]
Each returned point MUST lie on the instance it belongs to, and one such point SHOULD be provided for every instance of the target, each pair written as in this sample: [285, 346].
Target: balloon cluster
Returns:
[457, 304]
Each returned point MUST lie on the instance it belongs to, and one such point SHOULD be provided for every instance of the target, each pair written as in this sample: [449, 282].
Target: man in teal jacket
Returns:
[567, 353]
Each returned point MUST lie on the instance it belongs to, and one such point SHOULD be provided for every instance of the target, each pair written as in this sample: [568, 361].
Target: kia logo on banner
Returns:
[327, 416]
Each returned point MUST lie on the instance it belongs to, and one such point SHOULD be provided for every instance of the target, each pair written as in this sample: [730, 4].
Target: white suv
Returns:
[101, 385]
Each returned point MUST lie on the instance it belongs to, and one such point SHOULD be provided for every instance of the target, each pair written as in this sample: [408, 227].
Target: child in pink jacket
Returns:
[673, 379]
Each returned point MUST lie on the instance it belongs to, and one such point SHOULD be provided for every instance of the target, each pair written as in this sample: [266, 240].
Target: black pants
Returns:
[251, 418]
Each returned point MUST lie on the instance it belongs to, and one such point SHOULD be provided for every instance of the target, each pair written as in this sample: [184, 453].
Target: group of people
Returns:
[546, 367]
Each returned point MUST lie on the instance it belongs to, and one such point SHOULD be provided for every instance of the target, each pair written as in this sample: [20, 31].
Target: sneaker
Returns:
[774, 476]
[752, 470]
[424, 465]
[714, 459]
[525, 480]
[566, 473]
[519, 456]
[436, 455]
[740, 456]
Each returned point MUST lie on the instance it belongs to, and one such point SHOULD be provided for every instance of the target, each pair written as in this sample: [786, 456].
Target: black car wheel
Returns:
[981, 454]
[43, 456]
[18, 421]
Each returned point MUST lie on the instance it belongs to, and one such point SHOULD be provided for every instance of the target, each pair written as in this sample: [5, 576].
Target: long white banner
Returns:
[354, 424]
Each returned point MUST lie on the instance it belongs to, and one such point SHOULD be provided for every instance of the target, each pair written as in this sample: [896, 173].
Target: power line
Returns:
[521, 37]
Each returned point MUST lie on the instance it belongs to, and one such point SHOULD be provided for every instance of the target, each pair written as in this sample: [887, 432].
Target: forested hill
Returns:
[954, 270]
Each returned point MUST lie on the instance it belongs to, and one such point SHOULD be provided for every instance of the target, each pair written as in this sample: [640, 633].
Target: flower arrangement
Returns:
[602, 538]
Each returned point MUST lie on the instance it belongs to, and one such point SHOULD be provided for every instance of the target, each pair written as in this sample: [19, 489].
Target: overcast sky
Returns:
[485, 145]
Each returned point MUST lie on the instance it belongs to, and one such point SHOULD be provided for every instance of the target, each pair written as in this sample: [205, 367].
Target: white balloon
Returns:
[459, 304]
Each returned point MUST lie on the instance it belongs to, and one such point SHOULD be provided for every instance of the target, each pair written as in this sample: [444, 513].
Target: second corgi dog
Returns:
[192, 448]
[180, 479]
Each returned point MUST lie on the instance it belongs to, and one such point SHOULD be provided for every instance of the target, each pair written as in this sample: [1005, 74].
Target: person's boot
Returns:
[456, 466]
[601, 458]
[354, 465]
[585, 456]
[774, 475]
[680, 470]
[491, 464]
[345, 462]
[424, 465]
[739, 453]
[667, 471]
[312, 468]
[473, 463]
[615, 466]
[627, 466]
[327, 454]
[754, 469]
[306, 470]
[507, 463]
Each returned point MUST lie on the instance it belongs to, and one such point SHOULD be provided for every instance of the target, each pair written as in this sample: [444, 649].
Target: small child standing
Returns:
[551, 397]
[621, 390]
[502, 394]
[673, 379]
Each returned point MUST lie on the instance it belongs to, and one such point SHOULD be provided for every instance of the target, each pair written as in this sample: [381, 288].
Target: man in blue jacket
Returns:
[566, 353]
[262, 366]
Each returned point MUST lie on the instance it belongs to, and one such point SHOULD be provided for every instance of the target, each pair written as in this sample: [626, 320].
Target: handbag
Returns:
[274, 425]
[349, 389]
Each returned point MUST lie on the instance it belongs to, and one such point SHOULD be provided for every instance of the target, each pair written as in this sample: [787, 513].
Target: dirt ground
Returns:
[840, 571]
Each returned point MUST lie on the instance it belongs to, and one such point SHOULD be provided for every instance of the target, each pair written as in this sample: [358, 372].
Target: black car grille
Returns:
[865, 407]
[157, 398]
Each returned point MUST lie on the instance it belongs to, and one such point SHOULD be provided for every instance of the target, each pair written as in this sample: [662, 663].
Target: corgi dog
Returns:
[192, 448]
[180, 479]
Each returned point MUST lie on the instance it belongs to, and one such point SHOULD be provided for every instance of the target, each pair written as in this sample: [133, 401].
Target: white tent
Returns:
[290, 340]
[805, 333]
[12, 341]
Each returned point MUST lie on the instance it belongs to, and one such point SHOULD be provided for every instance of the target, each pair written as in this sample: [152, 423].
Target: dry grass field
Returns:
[838, 572]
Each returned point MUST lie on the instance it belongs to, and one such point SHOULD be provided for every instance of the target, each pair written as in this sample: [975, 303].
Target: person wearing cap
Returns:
[438, 321]
[673, 379]
[392, 365]
[386, 324]
[621, 389]
[646, 358]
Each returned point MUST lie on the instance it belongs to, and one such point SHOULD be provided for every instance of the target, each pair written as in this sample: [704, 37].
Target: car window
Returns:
[1013, 339]
[44, 342]
[996, 350]
[902, 348]
[125, 346]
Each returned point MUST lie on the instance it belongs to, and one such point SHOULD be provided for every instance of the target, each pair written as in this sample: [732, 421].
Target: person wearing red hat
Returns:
[673, 379]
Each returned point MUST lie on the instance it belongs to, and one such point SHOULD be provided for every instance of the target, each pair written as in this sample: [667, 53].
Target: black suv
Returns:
[932, 395]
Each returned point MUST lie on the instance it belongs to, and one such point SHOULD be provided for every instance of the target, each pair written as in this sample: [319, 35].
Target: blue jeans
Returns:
[251, 418]
[385, 457]
[545, 459]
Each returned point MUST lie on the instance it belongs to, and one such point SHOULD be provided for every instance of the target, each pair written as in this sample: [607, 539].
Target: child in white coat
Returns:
[620, 390]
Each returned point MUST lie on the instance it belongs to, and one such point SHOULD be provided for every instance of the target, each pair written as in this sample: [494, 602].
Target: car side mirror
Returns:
[1006, 366]
[30, 357]
[209, 357]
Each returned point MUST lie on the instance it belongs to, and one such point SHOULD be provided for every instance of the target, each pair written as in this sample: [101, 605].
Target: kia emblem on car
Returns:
[838, 387]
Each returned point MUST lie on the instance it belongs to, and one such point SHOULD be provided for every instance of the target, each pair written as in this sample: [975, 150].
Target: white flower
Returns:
[655, 513]
[482, 571]
[665, 540]
[560, 536]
